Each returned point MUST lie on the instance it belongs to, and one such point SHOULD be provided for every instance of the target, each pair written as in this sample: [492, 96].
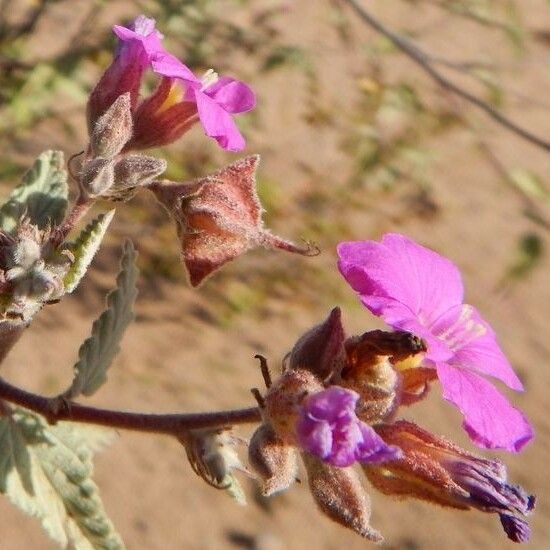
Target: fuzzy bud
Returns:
[113, 129]
[370, 371]
[97, 177]
[321, 349]
[284, 399]
[212, 456]
[273, 460]
[134, 171]
[219, 218]
[339, 495]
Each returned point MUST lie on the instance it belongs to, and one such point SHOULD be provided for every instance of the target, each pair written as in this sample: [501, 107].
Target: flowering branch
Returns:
[55, 410]
[425, 61]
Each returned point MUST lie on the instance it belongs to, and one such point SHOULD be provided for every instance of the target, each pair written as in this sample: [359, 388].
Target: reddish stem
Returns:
[78, 211]
[55, 409]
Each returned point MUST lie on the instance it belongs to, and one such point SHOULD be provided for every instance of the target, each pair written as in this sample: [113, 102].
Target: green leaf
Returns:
[42, 195]
[528, 183]
[85, 247]
[98, 351]
[234, 489]
[46, 472]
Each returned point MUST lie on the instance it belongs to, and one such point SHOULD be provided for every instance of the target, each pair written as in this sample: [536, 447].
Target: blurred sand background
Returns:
[192, 350]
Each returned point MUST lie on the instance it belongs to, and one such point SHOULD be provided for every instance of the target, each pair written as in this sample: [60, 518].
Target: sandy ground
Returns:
[185, 354]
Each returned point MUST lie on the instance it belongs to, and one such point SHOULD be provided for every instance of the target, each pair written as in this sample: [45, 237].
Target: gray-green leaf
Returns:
[42, 195]
[98, 351]
[85, 247]
[46, 472]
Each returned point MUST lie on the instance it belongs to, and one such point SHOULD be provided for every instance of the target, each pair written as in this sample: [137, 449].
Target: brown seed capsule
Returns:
[219, 218]
[273, 460]
[339, 495]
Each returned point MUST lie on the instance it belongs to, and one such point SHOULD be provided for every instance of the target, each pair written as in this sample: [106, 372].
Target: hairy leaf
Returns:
[45, 471]
[42, 195]
[85, 247]
[98, 351]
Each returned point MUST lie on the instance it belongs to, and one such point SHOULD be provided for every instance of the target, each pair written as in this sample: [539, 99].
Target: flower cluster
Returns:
[337, 399]
[180, 100]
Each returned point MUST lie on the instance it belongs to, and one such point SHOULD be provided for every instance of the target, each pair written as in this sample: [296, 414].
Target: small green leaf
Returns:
[528, 256]
[42, 195]
[98, 351]
[528, 183]
[46, 472]
[85, 247]
[234, 489]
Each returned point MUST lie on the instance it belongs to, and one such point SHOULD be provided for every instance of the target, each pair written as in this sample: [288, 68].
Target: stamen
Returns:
[208, 78]
[464, 330]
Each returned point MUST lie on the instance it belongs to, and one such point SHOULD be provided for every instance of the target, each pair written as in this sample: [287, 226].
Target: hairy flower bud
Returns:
[32, 271]
[369, 370]
[113, 129]
[97, 177]
[135, 171]
[118, 180]
[284, 399]
[339, 495]
[218, 218]
[321, 349]
[212, 455]
[273, 460]
[433, 469]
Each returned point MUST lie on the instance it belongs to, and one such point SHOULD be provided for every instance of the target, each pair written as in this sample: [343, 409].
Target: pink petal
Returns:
[233, 95]
[401, 270]
[474, 344]
[373, 449]
[489, 419]
[144, 32]
[218, 124]
[166, 64]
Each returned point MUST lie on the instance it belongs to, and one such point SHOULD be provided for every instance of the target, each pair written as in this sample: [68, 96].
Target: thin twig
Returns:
[77, 213]
[265, 369]
[422, 59]
[169, 424]
[480, 19]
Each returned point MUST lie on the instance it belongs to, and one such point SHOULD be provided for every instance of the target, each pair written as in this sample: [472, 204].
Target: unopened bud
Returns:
[212, 456]
[370, 371]
[136, 171]
[97, 177]
[339, 495]
[273, 460]
[284, 399]
[321, 349]
[25, 252]
[113, 129]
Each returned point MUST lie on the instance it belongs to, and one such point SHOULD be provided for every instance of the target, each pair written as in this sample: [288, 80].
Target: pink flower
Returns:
[329, 429]
[414, 289]
[215, 99]
[181, 99]
[132, 57]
